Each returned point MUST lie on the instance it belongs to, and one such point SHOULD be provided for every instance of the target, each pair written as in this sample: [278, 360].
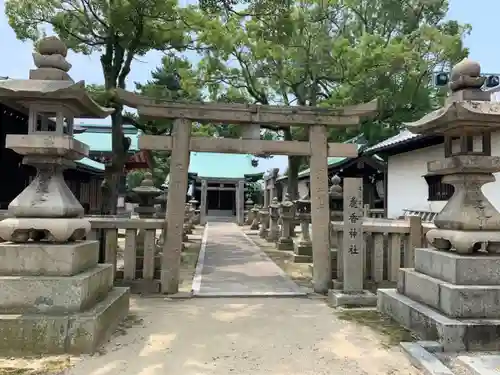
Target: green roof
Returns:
[91, 164]
[214, 165]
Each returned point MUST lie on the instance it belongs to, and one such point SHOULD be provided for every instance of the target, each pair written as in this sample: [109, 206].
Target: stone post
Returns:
[353, 248]
[248, 207]
[303, 248]
[287, 214]
[192, 220]
[203, 204]
[255, 218]
[274, 215]
[264, 222]
[55, 297]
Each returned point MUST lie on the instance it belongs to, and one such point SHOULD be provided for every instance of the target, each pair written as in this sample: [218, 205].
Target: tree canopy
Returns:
[307, 52]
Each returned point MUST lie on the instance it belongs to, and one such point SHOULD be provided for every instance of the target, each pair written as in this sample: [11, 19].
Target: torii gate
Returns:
[181, 144]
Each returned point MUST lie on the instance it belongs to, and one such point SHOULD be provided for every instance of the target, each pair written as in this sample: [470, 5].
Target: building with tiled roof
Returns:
[222, 173]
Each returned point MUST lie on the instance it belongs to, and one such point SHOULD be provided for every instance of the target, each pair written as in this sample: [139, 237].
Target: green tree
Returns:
[119, 30]
[336, 52]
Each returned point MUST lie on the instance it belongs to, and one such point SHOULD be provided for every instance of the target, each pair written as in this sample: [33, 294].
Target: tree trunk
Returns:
[114, 170]
[293, 171]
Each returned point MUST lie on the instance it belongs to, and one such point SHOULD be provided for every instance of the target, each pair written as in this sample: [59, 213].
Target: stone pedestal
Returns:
[450, 298]
[57, 298]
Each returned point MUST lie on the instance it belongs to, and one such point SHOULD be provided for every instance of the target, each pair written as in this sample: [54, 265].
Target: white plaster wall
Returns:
[407, 189]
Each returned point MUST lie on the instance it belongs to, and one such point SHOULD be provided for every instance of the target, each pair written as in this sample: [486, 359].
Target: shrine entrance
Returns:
[180, 143]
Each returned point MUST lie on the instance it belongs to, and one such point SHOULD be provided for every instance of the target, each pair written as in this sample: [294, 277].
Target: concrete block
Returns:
[459, 269]
[38, 259]
[455, 301]
[423, 360]
[453, 334]
[55, 294]
[80, 333]
[339, 298]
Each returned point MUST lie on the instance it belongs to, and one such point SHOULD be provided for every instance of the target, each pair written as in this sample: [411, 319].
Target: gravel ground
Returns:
[220, 336]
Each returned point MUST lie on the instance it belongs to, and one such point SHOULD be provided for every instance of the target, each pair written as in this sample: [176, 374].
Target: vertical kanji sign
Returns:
[353, 244]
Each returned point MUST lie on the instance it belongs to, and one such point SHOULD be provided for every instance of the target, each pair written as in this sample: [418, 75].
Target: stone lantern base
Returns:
[450, 298]
[57, 299]
[59, 230]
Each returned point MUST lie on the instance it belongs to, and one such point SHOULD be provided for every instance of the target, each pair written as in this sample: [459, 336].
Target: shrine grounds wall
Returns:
[408, 189]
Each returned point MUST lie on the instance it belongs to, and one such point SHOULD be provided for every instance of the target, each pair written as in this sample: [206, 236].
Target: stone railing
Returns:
[389, 245]
[139, 264]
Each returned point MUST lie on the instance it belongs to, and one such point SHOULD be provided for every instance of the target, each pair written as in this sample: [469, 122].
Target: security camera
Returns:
[492, 81]
[441, 79]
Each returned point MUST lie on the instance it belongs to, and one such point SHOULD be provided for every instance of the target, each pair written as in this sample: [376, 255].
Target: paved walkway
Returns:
[231, 265]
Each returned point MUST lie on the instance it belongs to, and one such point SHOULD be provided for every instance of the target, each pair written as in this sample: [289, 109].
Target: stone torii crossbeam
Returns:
[251, 117]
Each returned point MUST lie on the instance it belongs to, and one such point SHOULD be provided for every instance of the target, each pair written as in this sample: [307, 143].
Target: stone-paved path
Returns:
[231, 265]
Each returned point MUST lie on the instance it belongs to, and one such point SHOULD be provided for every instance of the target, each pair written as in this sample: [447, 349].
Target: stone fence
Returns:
[139, 264]
[389, 246]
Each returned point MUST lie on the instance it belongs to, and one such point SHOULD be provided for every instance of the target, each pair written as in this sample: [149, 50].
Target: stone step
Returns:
[39, 259]
[55, 294]
[79, 333]
[455, 301]
[453, 334]
[477, 269]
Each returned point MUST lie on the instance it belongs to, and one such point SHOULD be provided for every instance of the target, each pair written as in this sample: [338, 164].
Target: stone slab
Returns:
[459, 269]
[55, 294]
[481, 365]
[453, 334]
[430, 346]
[338, 298]
[455, 301]
[423, 360]
[38, 259]
[80, 333]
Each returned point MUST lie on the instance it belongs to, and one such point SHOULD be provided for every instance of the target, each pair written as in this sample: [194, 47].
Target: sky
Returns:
[17, 61]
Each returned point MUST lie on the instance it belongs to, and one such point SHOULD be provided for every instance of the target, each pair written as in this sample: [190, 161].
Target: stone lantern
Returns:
[274, 215]
[264, 222]
[469, 219]
[145, 195]
[303, 249]
[287, 214]
[452, 293]
[59, 298]
[255, 217]
[336, 196]
[248, 208]
[195, 220]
